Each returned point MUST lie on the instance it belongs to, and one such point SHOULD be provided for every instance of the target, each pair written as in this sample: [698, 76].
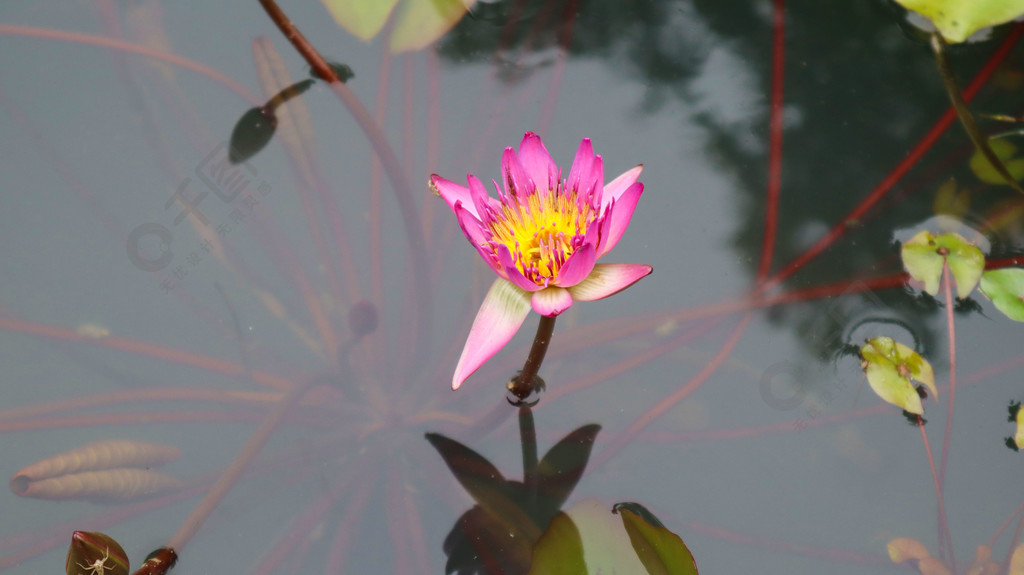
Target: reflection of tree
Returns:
[859, 94]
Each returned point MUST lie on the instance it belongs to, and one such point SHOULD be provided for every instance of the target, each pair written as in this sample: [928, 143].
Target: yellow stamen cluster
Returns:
[541, 231]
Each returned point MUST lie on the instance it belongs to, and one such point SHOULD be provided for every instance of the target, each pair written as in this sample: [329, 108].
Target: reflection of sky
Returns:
[850, 486]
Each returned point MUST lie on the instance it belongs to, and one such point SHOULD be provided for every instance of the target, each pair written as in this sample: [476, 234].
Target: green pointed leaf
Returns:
[559, 550]
[661, 551]
[420, 22]
[560, 469]
[1004, 150]
[640, 510]
[889, 367]
[924, 254]
[1005, 287]
[485, 484]
[958, 19]
[922, 262]
[363, 18]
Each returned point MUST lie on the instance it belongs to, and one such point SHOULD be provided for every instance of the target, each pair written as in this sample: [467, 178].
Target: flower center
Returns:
[541, 230]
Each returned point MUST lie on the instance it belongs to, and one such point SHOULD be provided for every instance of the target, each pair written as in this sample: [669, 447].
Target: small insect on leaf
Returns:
[92, 553]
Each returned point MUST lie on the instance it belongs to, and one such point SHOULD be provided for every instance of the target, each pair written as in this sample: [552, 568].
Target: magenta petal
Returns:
[607, 279]
[618, 216]
[615, 188]
[477, 236]
[581, 166]
[498, 319]
[538, 163]
[577, 267]
[452, 193]
[517, 181]
[481, 201]
[551, 301]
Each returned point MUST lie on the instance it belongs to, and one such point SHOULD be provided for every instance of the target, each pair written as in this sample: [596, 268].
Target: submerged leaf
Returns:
[1005, 287]
[906, 549]
[562, 466]
[420, 22]
[958, 19]
[1018, 438]
[107, 486]
[1017, 561]
[251, 133]
[92, 553]
[363, 18]
[889, 367]
[559, 550]
[97, 455]
[1003, 150]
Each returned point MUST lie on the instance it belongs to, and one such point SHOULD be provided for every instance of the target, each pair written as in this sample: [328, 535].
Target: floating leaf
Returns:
[906, 549]
[889, 367]
[1004, 150]
[106, 454]
[1005, 287]
[92, 553]
[923, 256]
[587, 540]
[363, 18]
[420, 22]
[559, 550]
[107, 486]
[958, 19]
[661, 551]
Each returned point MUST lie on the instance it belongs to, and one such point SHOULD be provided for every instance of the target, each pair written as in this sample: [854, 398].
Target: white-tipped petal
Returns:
[498, 319]
[608, 279]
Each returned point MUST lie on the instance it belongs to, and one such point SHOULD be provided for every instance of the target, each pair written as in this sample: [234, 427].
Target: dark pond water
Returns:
[736, 420]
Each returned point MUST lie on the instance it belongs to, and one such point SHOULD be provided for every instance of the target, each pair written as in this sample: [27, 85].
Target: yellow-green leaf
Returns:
[661, 551]
[924, 254]
[1005, 151]
[1018, 437]
[420, 22]
[958, 19]
[906, 549]
[1005, 287]
[1017, 561]
[889, 367]
[363, 18]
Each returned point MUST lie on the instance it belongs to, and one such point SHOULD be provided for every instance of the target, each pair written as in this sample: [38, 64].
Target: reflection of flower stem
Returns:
[410, 217]
[528, 437]
[524, 384]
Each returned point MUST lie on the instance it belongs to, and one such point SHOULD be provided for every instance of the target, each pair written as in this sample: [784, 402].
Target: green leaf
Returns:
[485, 484]
[363, 18]
[661, 551]
[1005, 287]
[889, 367]
[589, 540]
[251, 134]
[420, 22]
[1004, 150]
[924, 254]
[560, 469]
[1018, 437]
[958, 19]
[640, 510]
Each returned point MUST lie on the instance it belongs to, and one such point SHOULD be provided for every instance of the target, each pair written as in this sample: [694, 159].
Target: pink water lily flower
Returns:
[543, 237]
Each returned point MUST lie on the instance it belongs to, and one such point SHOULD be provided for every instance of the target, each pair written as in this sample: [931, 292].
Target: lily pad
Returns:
[1003, 150]
[589, 539]
[890, 366]
[1005, 287]
[924, 255]
[958, 19]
